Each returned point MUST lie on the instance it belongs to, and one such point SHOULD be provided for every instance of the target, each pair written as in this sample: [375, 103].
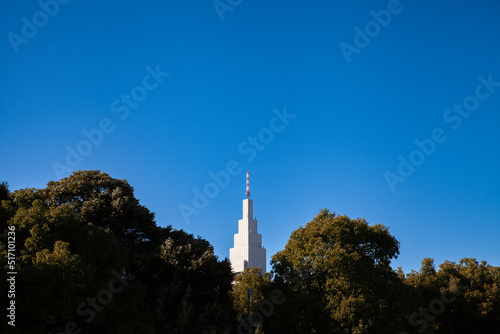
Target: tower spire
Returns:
[248, 184]
[247, 251]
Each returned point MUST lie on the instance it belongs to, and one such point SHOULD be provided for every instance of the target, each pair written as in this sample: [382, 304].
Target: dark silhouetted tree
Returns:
[342, 280]
[79, 233]
[459, 298]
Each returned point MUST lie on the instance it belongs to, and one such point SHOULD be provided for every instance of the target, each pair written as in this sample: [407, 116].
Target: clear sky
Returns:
[356, 85]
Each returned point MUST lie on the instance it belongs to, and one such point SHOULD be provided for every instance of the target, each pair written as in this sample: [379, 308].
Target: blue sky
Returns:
[356, 114]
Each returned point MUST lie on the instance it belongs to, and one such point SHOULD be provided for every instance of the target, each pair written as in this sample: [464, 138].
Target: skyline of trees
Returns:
[91, 258]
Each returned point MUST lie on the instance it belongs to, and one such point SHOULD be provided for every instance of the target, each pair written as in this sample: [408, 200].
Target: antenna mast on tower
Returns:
[248, 184]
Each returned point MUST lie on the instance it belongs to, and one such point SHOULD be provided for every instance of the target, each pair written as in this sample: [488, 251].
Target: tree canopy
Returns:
[80, 236]
[90, 258]
[461, 297]
[342, 274]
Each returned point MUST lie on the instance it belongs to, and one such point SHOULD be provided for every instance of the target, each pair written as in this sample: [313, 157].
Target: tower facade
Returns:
[247, 251]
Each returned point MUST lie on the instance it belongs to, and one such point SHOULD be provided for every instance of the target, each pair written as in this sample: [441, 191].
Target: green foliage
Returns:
[340, 269]
[468, 291]
[192, 286]
[109, 203]
[80, 233]
[258, 282]
[63, 259]
[74, 234]
[5, 211]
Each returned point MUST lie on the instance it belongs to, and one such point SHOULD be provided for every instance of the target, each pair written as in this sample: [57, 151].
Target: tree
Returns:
[108, 203]
[191, 286]
[340, 268]
[63, 261]
[257, 282]
[4, 191]
[5, 213]
[461, 297]
[91, 257]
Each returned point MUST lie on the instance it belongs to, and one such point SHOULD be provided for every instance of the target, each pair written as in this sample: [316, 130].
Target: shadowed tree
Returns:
[341, 278]
[459, 298]
[257, 282]
[109, 203]
[5, 213]
[191, 287]
[62, 261]
[79, 233]
[4, 191]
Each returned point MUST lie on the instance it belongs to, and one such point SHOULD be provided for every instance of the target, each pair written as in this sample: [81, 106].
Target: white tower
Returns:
[247, 251]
